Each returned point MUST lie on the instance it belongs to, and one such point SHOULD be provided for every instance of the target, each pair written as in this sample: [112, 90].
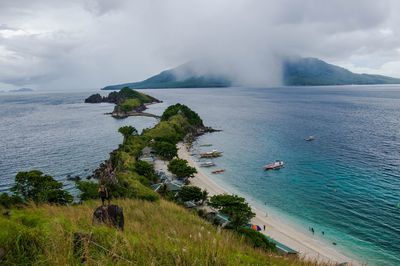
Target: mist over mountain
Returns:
[295, 71]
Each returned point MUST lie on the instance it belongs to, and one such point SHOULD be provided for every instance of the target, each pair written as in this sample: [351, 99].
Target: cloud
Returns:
[92, 43]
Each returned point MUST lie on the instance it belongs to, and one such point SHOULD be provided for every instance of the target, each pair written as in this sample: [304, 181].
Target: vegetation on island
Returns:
[157, 230]
[126, 100]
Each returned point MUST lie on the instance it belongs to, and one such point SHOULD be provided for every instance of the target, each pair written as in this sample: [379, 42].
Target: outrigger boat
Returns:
[211, 154]
[206, 145]
[219, 171]
[207, 164]
[274, 166]
[310, 138]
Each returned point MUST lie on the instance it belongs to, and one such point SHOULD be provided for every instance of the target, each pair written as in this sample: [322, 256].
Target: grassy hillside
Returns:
[156, 233]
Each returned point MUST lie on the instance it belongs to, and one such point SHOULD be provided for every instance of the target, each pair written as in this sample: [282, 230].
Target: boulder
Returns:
[111, 215]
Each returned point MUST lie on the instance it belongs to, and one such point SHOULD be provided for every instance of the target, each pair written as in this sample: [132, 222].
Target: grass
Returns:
[156, 233]
[130, 104]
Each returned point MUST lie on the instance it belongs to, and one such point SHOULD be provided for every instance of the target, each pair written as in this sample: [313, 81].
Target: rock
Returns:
[94, 98]
[111, 215]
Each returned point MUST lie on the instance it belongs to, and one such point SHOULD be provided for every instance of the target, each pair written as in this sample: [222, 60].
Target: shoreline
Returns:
[308, 247]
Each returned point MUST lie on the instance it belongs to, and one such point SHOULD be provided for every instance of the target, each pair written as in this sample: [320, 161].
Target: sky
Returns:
[88, 44]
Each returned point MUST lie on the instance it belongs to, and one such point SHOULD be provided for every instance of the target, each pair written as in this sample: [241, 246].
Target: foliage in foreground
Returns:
[37, 187]
[156, 233]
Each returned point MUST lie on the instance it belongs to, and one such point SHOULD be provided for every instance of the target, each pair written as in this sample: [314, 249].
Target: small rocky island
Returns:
[127, 102]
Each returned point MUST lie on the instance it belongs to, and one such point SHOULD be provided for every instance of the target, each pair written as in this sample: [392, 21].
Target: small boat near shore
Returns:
[310, 138]
[219, 171]
[211, 154]
[207, 164]
[274, 166]
[206, 145]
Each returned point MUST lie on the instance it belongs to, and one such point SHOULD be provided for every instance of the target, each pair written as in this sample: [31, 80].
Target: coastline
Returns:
[308, 247]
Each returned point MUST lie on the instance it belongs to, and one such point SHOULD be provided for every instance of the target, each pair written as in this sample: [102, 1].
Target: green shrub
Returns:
[256, 239]
[8, 201]
[88, 190]
[40, 188]
[145, 169]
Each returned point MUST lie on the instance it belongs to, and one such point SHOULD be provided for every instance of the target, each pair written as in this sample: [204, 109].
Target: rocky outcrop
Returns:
[95, 98]
[105, 172]
[111, 215]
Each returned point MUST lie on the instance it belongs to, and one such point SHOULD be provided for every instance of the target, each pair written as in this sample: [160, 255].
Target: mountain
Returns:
[22, 90]
[315, 72]
[296, 71]
[183, 76]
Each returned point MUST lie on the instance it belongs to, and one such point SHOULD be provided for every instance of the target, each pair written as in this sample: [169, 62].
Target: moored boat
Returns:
[219, 171]
[206, 145]
[310, 138]
[207, 164]
[211, 154]
[274, 166]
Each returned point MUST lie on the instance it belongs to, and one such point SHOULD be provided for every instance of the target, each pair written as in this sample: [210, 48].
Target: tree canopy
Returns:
[40, 188]
[181, 169]
[192, 193]
[165, 150]
[235, 207]
[127, 131]
[192, 117]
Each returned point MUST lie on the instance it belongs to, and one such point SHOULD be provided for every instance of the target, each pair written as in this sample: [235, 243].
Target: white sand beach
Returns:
[309, 247]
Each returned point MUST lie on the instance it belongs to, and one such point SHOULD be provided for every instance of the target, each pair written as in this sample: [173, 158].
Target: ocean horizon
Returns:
[346, 183]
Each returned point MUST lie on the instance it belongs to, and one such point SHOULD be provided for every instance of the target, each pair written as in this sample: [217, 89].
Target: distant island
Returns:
[21, 90]
[296, 72]
[127, 102]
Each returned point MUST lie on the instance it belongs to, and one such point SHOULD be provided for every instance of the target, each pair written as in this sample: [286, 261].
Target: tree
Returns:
[235, 207]
[89, 190]
[188, 193]
[166, 150]
[8, 201]
[40, 188]
[181, 169]
[127, 131]
[145, 169]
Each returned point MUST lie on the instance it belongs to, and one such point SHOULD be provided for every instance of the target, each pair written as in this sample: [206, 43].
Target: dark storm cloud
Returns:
[83, 44]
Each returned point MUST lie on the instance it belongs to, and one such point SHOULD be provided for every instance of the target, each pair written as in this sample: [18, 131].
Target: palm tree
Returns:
[127, 131]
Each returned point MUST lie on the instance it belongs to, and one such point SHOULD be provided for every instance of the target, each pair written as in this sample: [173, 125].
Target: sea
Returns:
[345, 183]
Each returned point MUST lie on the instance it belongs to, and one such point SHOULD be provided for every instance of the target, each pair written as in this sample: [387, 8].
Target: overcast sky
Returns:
[82, 44]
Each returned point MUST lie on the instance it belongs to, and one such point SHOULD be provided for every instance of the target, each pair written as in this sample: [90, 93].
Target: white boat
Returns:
[207, 164]
[274, 166]
[310, 138]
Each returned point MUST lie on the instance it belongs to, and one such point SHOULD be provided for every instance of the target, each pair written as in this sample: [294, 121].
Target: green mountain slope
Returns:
[296, 72]
[314, 72]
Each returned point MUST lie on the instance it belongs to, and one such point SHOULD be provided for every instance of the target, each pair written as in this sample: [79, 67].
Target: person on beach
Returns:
[312, 230]
[103, 193]
[264, 227]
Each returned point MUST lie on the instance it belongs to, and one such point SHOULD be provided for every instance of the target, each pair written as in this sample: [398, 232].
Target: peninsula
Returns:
[127, 102]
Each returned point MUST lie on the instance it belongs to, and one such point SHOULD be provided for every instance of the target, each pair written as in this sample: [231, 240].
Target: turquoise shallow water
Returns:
[345, 183]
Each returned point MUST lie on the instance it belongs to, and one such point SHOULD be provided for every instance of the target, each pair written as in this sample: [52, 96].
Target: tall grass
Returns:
[156, 233]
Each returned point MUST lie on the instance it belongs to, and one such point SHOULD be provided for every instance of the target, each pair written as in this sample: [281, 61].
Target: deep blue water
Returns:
[345, 183]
